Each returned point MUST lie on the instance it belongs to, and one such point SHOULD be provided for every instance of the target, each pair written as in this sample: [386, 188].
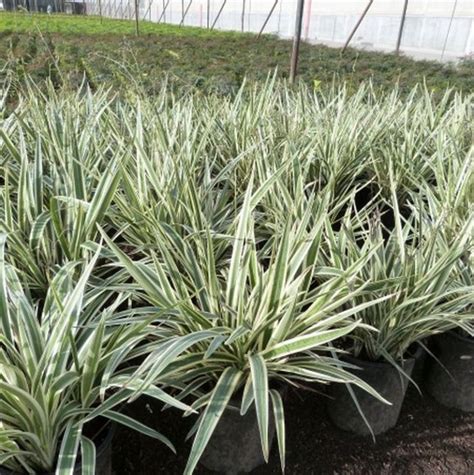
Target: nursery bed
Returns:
[430, 439]
[108, 52]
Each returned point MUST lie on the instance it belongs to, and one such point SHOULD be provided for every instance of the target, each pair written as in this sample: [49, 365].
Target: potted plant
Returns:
[244, 328]
[408, 264]
[53, 194]
[449, 207]
[65, 373]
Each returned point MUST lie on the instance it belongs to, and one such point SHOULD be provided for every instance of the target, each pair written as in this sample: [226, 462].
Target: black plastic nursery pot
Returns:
[103, 456]
[235, 445]
[386, 380]
[418, 374]
[452, 382]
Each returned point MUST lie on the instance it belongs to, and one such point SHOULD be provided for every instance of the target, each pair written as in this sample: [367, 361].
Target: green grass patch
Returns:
[94, 25]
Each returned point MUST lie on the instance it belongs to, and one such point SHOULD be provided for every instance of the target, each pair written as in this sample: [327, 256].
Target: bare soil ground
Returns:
[429, 439]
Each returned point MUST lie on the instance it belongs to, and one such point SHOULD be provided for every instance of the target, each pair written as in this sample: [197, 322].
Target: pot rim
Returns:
[377, 364]
[236, 402]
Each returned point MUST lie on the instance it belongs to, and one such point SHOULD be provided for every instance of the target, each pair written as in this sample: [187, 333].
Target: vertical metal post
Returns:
[200, 15]
[249, 16]
[137, 27]
[308, 19]
[208, 14]
[185, 13]
[279, 17]
[296, 41]
[356, 27]
[402, 25]
[470, 40]
[242, 21]
[148, 11]
[163, 13]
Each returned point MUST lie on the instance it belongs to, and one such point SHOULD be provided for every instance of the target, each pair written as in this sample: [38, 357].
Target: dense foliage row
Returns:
[203, 249]
[65, 48]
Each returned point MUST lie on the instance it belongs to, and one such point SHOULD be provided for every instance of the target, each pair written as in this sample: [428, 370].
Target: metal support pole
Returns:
[218, 14]
[296, 41]
[137, 26]
[186, 12]
[208, 14]
[163, 13]
[356, 27]
[267, 19]
[449, 29]
[308, 19]
[279, 17]
[249, 16]
[402, 25]
[148, 10]
[242, 20]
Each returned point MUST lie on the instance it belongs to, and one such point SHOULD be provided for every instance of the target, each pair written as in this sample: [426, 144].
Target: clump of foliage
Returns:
[65, 362]
[239, 241]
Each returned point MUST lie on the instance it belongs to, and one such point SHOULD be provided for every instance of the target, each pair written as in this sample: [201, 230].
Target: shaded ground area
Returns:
[66, 48]
[429, 439]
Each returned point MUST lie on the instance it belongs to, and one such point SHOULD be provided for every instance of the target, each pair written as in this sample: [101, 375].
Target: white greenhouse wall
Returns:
[434, 29]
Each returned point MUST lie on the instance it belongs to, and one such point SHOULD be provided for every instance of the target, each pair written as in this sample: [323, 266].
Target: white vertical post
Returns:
[470, 40]
[309, 7]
